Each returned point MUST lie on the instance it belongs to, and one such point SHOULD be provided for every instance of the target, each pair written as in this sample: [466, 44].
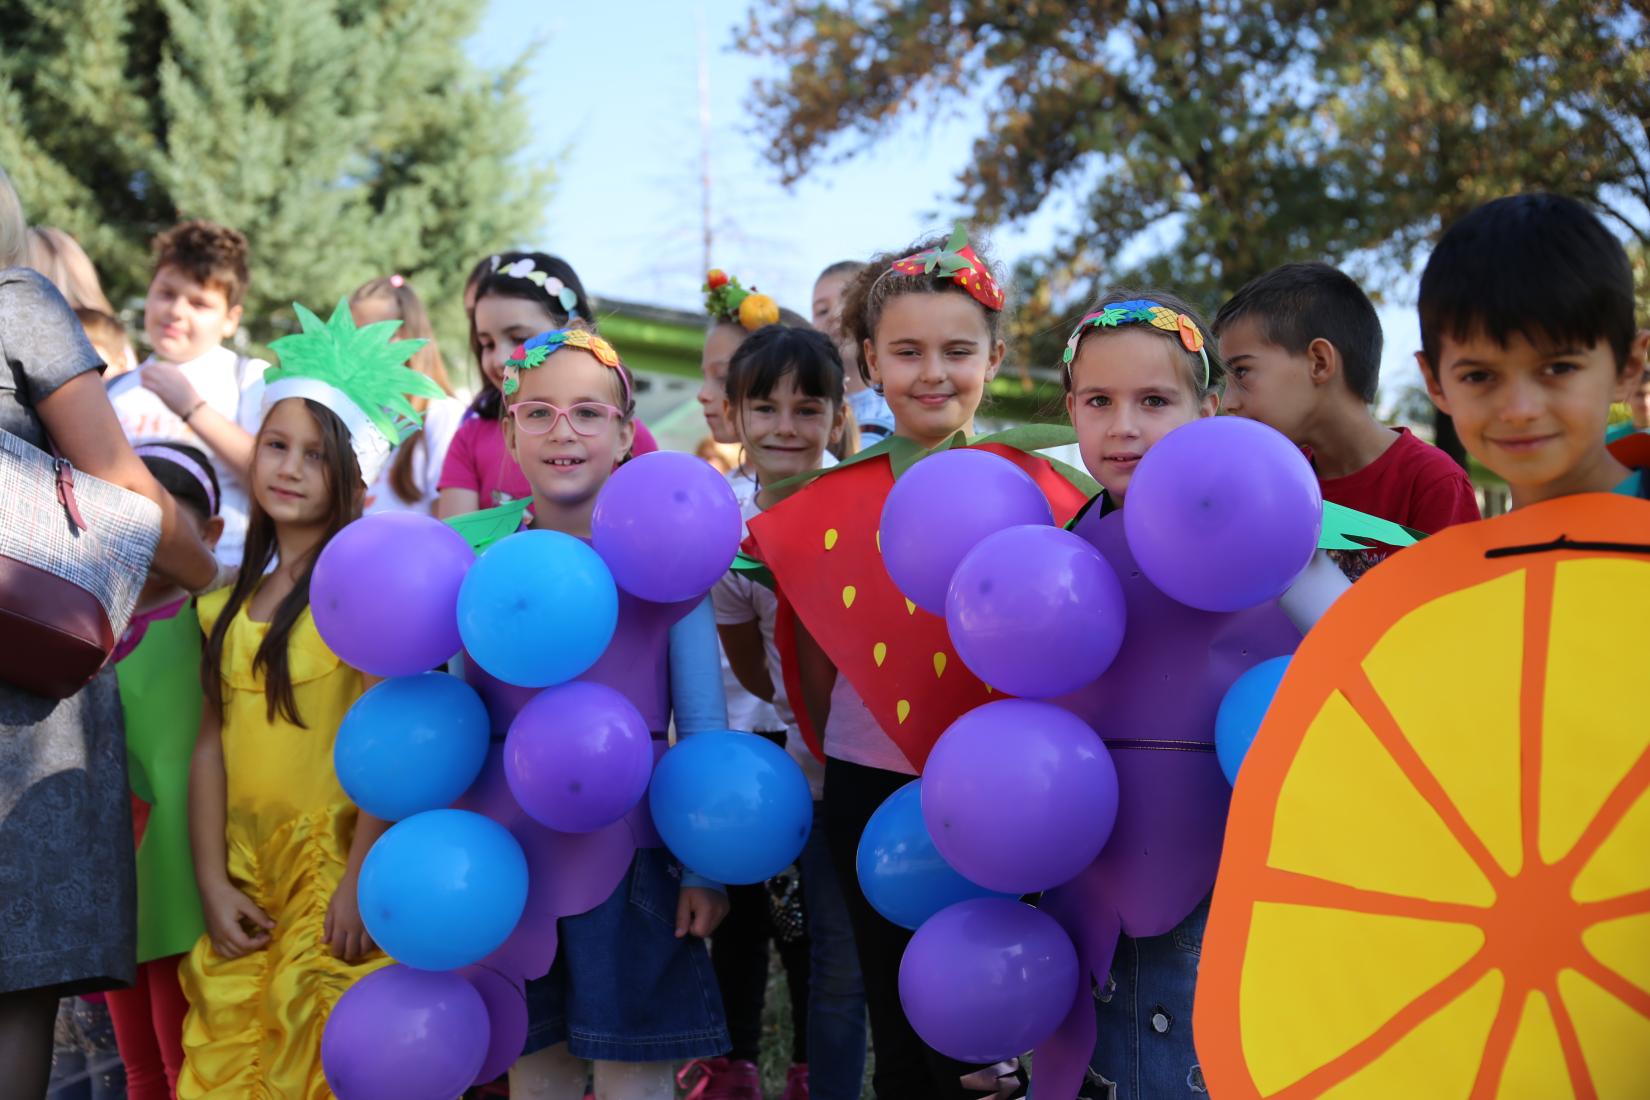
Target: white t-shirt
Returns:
[233, 387]
[745, 711]
[441, 419]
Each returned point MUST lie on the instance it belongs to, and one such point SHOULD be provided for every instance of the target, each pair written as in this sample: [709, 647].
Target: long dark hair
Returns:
[488, 404]
[344, 491]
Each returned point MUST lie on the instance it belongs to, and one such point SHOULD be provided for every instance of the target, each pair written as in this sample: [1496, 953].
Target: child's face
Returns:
[1267, 382]
[1638, 403]
[289, 469]
[828, 302]
[185, 319]
[502, 325]
[370, 311]
[1129, 389]
[720, 344]
[1535, 413]
[933, 355]
[785, 432]
[563, 465]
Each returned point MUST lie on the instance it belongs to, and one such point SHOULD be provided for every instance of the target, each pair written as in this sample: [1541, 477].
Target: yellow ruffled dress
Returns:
[254, 1024]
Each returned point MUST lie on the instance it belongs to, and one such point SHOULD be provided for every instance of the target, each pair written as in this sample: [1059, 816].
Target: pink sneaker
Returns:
[720, 1079]
[796, 1083]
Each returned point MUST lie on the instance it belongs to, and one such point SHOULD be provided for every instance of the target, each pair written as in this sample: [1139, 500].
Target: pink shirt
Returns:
[478, 461]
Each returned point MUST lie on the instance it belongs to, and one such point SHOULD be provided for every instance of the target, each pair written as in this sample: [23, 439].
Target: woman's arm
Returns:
[82, 424]
[226, 909]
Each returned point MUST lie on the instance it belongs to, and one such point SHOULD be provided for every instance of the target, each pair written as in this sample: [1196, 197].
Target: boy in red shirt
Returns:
[1302, 344]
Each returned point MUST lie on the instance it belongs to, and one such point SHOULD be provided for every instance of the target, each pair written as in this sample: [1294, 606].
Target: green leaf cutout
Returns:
[483, 529]
[746, 566]
[958, 239]
[1348, 529]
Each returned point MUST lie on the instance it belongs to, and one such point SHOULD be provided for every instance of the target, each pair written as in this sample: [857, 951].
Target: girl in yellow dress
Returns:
[277, 844]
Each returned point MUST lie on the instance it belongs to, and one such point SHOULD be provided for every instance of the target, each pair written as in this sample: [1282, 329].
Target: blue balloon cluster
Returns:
[411, 744]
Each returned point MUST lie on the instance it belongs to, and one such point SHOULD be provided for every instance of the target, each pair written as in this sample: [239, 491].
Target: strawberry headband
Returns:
[541, 347]
[1142, 311]
[957, 262]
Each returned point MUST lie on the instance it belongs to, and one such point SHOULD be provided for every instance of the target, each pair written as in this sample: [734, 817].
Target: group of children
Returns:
[249, 929]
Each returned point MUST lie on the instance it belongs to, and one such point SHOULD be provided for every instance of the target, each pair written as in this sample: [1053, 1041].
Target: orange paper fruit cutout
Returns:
[1436, 878]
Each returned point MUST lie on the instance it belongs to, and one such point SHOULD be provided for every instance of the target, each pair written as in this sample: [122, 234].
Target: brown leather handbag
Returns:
[74, 554]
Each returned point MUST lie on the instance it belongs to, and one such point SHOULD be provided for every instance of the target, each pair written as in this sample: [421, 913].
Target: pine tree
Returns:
[346, 138]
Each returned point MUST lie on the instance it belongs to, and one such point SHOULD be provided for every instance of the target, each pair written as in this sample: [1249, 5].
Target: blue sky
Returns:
[617, 110]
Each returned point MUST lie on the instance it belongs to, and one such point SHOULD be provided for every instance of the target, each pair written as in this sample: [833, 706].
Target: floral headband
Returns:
[956, 261]
[733, 304]
[524, 268]
[1142, 311]
[541, 347]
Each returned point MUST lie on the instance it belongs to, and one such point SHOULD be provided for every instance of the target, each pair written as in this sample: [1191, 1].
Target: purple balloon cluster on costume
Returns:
[551, 814]
[1105, 794]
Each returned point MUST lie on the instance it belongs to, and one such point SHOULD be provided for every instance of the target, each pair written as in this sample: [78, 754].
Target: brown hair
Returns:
[106, 333]
[1216, 382]
[877, 284]
[415, 325]
[211, 254]
[343, 489]
[59, 257]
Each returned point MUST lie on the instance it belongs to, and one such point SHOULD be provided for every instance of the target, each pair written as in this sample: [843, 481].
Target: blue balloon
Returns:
[903, 875]
[537, 609]
[411, 744]
[443, 889]
[733, 807]
[1242, 711]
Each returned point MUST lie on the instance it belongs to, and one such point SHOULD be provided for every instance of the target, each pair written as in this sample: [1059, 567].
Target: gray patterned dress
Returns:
[67, 887]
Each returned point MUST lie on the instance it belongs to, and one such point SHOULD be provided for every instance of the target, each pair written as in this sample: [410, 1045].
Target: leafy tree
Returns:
[346, 138]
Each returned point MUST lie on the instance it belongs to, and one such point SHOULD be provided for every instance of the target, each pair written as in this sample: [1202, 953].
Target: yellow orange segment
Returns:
[1596, 651]
[1346, 806]
[1535, 1065]
[1318, 981]
[1623, 945]
[1621, 865]
[1475, 636]
[1615, 1038]
[1443, 1050]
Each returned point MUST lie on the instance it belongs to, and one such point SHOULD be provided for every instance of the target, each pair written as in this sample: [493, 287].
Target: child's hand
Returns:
[228, 914]
[699, 910]
[167, 382]
[344, 931]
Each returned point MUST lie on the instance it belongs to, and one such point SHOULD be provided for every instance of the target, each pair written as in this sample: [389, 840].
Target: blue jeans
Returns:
[1144, 1047]
[836, 994]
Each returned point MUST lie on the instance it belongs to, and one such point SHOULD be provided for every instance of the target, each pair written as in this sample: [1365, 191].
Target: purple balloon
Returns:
[988, 979]
[940, 510]
[384, 593]
[667, 525]
[1044, 762]
[405, 1034]
[506, 1003]
[578, 757]
[1223, 514]
[1035, 612]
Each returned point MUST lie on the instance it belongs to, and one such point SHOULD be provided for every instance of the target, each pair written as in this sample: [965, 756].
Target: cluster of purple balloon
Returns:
[490, 844]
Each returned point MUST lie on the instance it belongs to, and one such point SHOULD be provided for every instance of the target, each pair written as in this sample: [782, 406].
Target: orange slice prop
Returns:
[1436, 878]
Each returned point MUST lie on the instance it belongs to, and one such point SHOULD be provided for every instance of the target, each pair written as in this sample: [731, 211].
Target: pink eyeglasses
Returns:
[586, 418]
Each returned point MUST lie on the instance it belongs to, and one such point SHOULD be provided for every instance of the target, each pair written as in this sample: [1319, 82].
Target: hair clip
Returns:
[957, 262]
[535, 351]
[398, 281]
[1142, 311]
[733, 304]
[524, 268]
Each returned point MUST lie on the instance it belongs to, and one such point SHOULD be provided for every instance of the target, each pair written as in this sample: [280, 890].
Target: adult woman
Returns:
[67, 909]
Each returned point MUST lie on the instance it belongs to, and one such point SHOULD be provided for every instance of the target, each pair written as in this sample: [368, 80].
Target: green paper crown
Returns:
[364, 364]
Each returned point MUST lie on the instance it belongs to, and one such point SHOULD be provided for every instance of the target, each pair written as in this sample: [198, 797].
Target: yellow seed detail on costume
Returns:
[830, 539]
[910, 608]
[939, 665]
[848, 595]
[879, 540]
[903, 710]
[879, 653]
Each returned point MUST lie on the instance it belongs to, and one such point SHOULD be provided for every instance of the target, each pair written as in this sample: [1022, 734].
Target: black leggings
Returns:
[906, 1067]
[26, 1021]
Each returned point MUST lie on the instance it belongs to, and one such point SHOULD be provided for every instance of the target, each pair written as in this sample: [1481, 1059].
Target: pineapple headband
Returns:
[956, 261]
[525, 269]
[732, 304]
[545, 344]
[360, 374]
[1146, 312]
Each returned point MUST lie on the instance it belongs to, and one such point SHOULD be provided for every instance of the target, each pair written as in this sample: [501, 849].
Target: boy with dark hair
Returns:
[1302, 346]
[1528, 337]
[192, 387]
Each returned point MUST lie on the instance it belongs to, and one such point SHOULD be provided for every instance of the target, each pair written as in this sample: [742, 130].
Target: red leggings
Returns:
[148, 1021]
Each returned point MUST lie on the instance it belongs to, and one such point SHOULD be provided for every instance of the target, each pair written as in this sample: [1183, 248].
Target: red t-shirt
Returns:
[1412, 483]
